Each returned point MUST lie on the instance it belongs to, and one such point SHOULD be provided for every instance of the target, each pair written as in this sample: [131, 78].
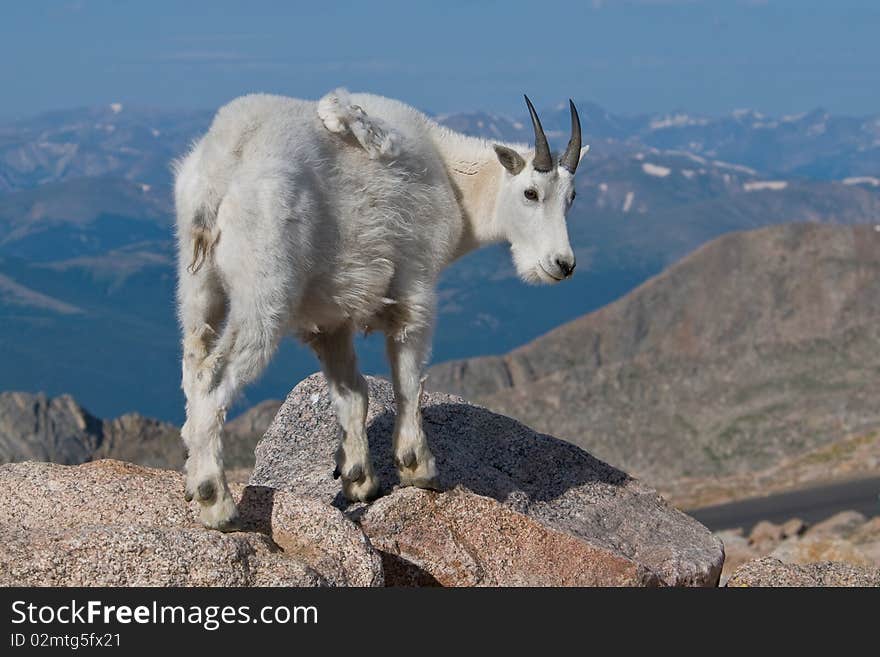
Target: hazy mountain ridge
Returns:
[131, 143]
[756, 348]
[138, 144]
[812, 144]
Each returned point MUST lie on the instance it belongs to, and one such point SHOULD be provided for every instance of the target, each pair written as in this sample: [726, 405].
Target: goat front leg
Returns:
[348, 392]
[408, 353]
[205, 480]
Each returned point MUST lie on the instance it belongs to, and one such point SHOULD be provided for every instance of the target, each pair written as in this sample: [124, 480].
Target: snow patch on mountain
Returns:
[735, 167]
[656, 170]
[688, 155]
[862, 180]
[676, 121]
[763, 185]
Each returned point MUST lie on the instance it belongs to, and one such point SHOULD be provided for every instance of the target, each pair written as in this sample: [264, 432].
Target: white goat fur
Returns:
[322, 219]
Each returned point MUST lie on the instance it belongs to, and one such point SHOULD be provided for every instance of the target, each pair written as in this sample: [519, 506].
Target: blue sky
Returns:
[630, 56]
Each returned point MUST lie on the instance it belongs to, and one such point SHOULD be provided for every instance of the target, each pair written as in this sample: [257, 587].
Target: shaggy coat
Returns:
[324, 219]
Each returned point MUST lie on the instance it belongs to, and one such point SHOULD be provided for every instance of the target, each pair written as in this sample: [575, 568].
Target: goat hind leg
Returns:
[348, 391]
[413, 458]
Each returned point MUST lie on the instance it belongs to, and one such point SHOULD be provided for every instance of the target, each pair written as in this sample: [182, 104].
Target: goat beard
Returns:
[528, 268]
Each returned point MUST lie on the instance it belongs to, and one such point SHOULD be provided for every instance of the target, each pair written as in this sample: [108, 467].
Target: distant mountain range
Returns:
[129, 143]
[757, 349]
[813, 144]
[86, 238]
[138, 144]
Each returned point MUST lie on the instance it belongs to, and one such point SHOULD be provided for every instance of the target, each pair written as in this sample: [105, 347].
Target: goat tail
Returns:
[340, 116]
[204, 236]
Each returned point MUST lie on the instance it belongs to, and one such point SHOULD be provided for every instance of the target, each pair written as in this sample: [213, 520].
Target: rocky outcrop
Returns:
[34, 427]
[109, 523]
[59, 430]
[773, 572]
[846, 537]
[519, 507]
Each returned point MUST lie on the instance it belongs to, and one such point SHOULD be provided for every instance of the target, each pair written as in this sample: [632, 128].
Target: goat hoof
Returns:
[207, 491]
[222, 524]
[230, 525]
[421, 474]
[405, 460]
[221, 515]
[356, 473]
[187, 495]
[361, 490]
[425, 483]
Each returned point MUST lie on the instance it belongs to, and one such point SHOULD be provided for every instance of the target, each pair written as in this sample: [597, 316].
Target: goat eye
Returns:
[531, 194]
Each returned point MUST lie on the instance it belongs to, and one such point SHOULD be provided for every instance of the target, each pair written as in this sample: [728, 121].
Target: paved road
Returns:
[810, 505]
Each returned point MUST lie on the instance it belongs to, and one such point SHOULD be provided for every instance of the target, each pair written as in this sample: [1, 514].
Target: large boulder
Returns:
[519, 508]
[773, 572]
[462, 539]
[110, 523]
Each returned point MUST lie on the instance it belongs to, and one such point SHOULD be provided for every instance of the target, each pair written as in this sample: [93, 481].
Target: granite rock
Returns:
[109, 523]
[561, 490]
[772, 572]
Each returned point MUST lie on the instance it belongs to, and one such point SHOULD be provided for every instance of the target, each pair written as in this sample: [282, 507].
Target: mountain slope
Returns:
[759, 346]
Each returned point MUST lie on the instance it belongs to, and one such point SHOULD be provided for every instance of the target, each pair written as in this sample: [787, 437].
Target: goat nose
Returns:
[566, 267]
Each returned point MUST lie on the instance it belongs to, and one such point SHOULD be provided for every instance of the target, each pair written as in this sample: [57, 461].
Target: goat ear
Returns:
[510, 159]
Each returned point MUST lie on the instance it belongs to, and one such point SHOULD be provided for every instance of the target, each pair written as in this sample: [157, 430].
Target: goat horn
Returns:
[543, 160]
[572, 154]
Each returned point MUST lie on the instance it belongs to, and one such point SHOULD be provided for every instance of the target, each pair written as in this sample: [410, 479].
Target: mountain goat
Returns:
[322, 219]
